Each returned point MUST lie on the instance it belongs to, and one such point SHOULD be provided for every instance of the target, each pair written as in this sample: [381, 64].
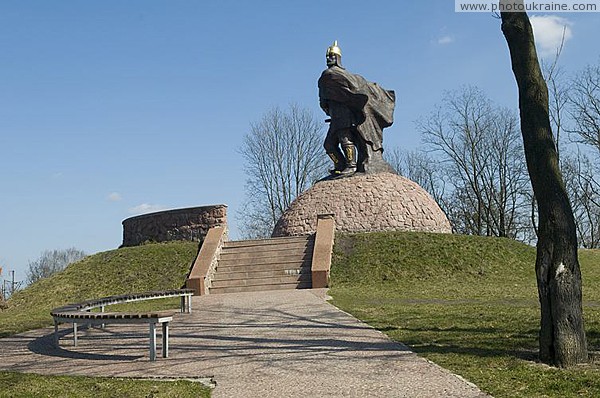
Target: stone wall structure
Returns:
[365, 203]
[190, 224]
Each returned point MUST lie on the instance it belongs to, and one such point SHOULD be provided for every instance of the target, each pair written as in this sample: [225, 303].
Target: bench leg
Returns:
[56, 333]
[165, 339]
[75, 334]
[186, 304]
[152, 341]
[87, 326]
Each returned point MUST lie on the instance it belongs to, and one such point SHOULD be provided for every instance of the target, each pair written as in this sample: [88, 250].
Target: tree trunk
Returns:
[562, 335]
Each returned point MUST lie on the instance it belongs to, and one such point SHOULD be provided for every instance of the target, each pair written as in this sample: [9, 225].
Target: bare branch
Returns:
[283, 156]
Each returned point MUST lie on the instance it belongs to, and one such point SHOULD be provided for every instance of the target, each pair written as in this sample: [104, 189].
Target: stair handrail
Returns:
[203, 270]
[322, 250]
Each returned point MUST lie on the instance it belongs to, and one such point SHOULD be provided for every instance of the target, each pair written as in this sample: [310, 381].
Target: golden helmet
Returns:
[334, 49]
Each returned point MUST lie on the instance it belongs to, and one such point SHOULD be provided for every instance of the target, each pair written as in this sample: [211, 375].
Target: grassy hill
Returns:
[125, 270]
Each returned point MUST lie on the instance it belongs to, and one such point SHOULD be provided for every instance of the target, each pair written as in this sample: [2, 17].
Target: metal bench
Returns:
[80, 314]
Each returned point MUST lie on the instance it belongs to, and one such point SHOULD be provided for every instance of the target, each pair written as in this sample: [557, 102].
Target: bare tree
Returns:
[482, 157]
[419, 167]
[575, 102]
[456, 132]
[558, 91]
[507, 187]
[51, 262]
[584, 102]
[562, 336]
[583, 182]
[584, 192]
[283, 155]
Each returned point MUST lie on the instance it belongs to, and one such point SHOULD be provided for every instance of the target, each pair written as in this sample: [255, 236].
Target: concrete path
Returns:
[266, 344]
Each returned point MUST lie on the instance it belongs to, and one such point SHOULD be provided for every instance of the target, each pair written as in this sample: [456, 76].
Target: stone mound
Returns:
[365, 203]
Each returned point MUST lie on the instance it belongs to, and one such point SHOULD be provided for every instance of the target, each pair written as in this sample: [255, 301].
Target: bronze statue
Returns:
[359, 111]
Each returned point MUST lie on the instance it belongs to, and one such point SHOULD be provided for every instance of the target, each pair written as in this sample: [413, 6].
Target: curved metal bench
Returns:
[79, 313]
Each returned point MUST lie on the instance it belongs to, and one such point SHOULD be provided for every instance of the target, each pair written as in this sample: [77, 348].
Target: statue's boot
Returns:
[338, 161]
[350, 152]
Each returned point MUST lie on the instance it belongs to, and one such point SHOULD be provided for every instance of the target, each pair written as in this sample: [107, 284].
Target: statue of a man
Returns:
[359, 111]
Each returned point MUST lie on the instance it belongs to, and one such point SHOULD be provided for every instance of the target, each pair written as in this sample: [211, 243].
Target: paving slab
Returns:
[263, 344]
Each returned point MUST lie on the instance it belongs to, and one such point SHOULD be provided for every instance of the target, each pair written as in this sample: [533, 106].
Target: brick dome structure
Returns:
[365, 203]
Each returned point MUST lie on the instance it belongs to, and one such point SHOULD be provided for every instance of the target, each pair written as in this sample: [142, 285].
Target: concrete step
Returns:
[286, 252]
[271, 241]
[256, 267]
[232, 261]
[253, 273]
[301, 246]
[280, 268]
[278, 280]
[260, 288]
[259, 256]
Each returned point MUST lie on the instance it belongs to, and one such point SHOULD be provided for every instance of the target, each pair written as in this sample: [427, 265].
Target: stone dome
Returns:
[365, 203]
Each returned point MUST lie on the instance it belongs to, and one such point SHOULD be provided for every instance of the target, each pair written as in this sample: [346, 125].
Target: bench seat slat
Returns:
[114, 315]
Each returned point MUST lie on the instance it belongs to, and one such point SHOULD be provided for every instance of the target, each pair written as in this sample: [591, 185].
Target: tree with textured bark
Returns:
[562, 338]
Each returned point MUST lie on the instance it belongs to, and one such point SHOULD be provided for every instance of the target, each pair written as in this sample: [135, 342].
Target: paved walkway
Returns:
[266, 344]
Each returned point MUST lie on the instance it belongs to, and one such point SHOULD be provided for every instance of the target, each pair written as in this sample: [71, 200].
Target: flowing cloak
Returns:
[371, 105]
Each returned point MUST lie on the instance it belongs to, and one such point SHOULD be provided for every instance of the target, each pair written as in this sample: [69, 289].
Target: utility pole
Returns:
[8, 287]
[12, 282]
[2, 292]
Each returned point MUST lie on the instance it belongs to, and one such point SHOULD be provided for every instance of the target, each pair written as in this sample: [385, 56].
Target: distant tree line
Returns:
[46, 265]
[472, 159]
[51, 262]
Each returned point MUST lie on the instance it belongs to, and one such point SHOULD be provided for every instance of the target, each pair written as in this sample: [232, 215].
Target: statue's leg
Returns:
[363, 154]
[349, 151]
[369, 160]
[332, 148]
[374, 162]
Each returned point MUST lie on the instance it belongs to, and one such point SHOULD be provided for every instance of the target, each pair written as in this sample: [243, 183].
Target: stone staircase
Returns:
[268, 264]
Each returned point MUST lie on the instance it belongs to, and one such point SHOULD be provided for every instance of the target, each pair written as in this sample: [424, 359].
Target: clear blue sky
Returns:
[112, 108]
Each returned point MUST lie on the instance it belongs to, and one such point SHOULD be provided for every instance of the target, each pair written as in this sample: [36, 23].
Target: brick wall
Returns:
[180, 224]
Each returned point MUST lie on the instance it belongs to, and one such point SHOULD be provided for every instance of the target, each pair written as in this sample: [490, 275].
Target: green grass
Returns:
[466, 303]
[16, 385]
[125, 270]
